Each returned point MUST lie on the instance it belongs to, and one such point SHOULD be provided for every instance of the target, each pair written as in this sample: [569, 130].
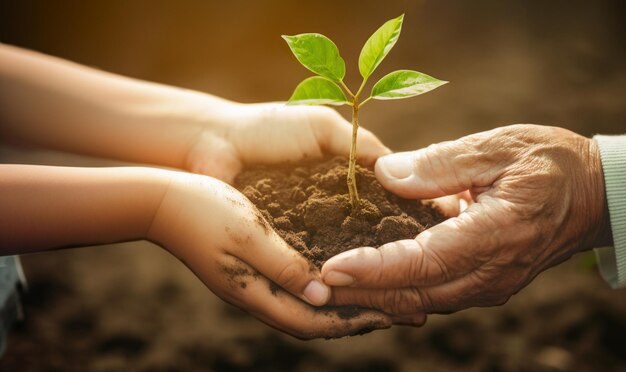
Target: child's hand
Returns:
[207, 224]
[268, 133]
[225, 241]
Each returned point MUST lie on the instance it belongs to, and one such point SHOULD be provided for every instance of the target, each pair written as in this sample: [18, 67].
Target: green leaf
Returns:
[318, 90]
[319, 54]
[378, 45]
[404, 84]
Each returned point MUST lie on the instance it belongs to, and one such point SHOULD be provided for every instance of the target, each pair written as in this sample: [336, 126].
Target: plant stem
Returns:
[358, 92]
[347, 89]
[354, 195]
[365, 101]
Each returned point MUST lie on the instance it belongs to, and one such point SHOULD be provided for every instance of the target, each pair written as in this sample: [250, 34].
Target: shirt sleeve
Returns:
[612, 260]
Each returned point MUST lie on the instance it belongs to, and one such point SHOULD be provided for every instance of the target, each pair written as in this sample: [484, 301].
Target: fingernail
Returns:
[338, 279]
[316, 293]
[395, 166]
[462, 205]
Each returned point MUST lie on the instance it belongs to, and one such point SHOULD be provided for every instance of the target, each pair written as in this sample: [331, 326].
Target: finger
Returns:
[397, 302]
[441, 169]
[285, 312]
[465, 292]
[214, 157]
[449, 205]
[452, 205]
[335, 136]
[269, 254]
[440, 254]
[235, 226]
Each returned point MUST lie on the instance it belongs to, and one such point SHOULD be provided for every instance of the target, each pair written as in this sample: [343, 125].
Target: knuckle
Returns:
[417, 266]
[327, 126]
[327, 117]
[369, 139]
[425, 300]
[290, 275]
[428, 160]
[437, 261]
[391, 302]
[454, 157]
[388, 269]
[434, 149]
[401, 301]
[430, 156]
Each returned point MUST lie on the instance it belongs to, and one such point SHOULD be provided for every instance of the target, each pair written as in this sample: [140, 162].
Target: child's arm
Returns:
[55, 103]
[58, 104]
[58, 207]
[207, 224]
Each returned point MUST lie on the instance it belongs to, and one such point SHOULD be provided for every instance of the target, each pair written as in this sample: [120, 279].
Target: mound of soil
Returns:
[308, 205]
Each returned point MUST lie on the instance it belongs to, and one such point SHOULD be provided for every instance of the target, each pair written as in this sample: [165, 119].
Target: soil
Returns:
[308, 205]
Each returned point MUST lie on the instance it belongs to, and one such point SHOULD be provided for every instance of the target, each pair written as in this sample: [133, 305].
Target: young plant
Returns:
[320, 55]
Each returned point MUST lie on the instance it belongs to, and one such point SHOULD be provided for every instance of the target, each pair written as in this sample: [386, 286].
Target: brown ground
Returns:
[133, 307]
[309, 206]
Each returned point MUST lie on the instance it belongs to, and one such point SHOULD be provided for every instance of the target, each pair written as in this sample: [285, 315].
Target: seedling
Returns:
[320, 55]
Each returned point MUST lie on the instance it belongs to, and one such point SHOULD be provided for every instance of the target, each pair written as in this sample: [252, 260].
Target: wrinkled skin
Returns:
[536, 197]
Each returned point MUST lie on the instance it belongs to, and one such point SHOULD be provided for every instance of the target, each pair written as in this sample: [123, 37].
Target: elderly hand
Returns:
[539, 198]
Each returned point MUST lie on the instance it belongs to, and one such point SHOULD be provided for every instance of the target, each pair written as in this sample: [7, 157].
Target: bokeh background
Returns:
[133, 307]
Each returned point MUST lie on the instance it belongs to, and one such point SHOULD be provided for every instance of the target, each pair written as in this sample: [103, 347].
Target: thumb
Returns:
[441, 254]
[440, 169]
[271, 256]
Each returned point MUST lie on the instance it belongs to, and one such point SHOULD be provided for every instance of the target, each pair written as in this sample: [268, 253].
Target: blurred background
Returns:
[134, 307]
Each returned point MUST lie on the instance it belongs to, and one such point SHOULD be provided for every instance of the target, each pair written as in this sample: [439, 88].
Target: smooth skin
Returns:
[212, 228]
[536, 197]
